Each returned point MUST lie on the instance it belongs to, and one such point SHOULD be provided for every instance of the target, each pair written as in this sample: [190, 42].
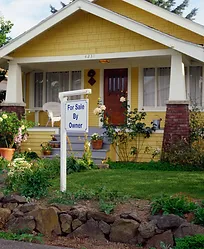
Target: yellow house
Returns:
[131, 46]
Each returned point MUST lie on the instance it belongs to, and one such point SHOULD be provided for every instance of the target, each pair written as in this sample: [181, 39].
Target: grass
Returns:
[144, 184]
[21, 237]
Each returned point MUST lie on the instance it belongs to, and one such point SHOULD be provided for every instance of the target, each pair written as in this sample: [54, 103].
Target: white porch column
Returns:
[14, 93]
[177, 91]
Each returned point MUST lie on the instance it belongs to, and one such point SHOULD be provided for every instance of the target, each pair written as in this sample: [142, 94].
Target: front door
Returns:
[115, 86]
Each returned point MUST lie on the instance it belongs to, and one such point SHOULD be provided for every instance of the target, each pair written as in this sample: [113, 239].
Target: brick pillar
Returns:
[18, 108]
[177, 125]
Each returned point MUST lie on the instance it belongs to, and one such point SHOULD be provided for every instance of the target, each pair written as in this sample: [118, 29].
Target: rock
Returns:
[4, 216]
[47, 221]
[123, 230]
[147, 229]
[10, 205]
[66, 221]
[79, 212]
[25, 224]
[28, 207]
[166, 238]
[132, 216]
[62, 207]
[14, 199]
[166, 222]
[105, 228]
[18, 214]
[88, 230]
[188, 229]
[76, 223]
[101, 216]
[1, 196]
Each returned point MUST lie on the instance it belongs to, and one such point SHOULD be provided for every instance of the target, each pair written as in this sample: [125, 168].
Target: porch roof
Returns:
[190, 49]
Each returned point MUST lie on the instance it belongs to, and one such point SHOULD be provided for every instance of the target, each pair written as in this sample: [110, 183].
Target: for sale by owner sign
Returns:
[77, 115]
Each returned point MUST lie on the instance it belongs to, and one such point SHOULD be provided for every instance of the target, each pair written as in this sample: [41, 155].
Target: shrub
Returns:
[3, 163]
[76, 165]
[27, 179]
[199, 216]
[185, 154]
[190, 242]
[178, 205]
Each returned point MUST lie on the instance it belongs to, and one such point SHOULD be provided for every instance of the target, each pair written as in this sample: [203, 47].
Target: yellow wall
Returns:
[151, 20]
[83, 33]
[93, 98]
[35, 139]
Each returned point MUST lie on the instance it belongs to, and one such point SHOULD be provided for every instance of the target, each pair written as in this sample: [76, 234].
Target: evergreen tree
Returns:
[170, 5]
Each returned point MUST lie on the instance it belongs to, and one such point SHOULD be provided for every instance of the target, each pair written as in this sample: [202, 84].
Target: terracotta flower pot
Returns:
[7, 153]
[47, 152]
[97, 144]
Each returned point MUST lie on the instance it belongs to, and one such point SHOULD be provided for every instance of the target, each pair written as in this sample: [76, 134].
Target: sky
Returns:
[27, 13]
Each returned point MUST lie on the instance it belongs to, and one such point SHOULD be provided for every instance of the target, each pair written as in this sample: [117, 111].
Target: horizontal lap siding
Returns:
[151, 20]
[83, 33]
[35, 139]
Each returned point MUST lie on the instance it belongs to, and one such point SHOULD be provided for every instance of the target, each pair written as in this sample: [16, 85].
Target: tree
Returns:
[5, 28]
[170, 5]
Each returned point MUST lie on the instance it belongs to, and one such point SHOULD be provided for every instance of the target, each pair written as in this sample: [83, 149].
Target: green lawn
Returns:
[143, 184]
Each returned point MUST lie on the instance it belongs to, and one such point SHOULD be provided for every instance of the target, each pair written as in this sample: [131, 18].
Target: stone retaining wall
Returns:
[18, 215]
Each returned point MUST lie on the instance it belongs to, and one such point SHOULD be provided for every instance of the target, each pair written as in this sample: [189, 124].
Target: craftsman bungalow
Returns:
[128, 45]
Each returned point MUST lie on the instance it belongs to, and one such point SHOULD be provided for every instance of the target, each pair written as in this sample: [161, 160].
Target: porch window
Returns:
[196, 85]
[56, 82]
[156, 86]
[47, 85]
[38, 89]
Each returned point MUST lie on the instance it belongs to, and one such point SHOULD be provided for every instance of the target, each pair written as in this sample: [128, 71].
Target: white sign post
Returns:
[74, 117]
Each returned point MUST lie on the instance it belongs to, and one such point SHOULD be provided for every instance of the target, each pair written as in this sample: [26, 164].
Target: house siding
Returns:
[151, 20]
[84, 33]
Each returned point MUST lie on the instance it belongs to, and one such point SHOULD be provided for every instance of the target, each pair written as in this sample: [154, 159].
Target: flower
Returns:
[96, 136]
[97, 111]
[13, 131]
[122, 99]
[103, 107]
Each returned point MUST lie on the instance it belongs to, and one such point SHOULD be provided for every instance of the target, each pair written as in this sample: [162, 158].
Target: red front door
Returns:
[115, 86]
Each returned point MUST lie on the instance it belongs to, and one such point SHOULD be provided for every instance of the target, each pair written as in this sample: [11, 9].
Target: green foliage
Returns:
[106, 207]
[76, 165]
[199, 216]
[127, 139]
[13, 130]
[28, 155]
[184, 154]
[190, 242]
[21, 237]
[161, 166]
[178, 205]
[87, 156]
[179, 10]
[27, 178]
[3, 163]
[5, 28]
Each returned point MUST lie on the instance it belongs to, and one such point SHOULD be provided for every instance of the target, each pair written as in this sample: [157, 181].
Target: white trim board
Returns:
[92, 57]
[190, 49]
[167, 15]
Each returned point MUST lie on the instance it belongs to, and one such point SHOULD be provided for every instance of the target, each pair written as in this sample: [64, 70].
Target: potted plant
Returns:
[46, 149]
[13, 131]
[96, 141]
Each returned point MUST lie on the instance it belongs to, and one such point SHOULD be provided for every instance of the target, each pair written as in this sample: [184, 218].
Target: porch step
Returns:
[75, 145]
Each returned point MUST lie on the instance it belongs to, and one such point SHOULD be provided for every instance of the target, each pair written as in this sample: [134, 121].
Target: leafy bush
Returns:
[106, 207]
[178, 205]
[185, 154]
[199, 216]
[3, 163]
[27, 179]
[76, 165]
[190, 242]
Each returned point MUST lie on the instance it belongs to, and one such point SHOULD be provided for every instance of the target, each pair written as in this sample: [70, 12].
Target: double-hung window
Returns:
[47, 85]
[156, 84]
[196, 85]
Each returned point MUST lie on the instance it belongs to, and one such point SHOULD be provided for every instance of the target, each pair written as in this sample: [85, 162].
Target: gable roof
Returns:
[167, 15]
[187, 48]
